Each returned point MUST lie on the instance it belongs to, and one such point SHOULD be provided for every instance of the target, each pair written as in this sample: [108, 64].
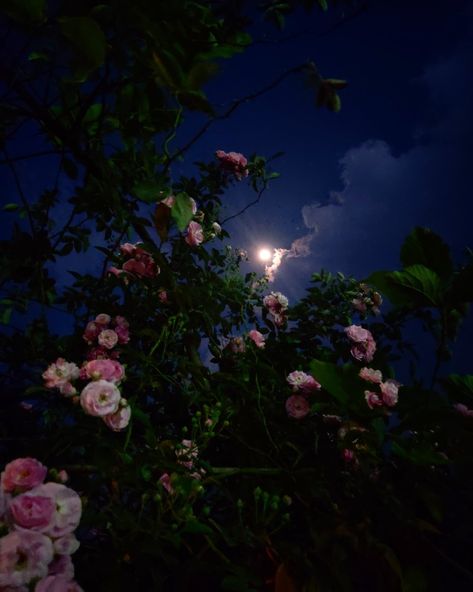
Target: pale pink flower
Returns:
[193, 205]
[359, 305]
[66, 545]
[128, 249]
[372, 400]
[233, 162]
[91, 332]
[377, 299]
[300, 381]
[257, 338]
[348, 456]
[142, 267]
[102, 319]
[32, 511]
[169, 201]
[67, 389]
[217, 229]
[119, 420]
[100, 398]
[371, 375]
[165, 481]
[357, 334]
[276, 302]
[60, 372]
[195, 234]
[22, 474]
[24, 555]
[108, 338]
[389, 389]
[63, 476]
[57, 583]
[109, 370]
[67, 508]
[364, 344]
[297, 406]
[463, 410]
[116, 272]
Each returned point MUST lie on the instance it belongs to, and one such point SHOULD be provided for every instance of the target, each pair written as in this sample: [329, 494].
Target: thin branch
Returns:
[234, 106]
[24, 201]
[252, 203]
[32, 155]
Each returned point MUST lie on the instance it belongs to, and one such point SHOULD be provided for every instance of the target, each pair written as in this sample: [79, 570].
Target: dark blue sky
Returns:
[397, 155]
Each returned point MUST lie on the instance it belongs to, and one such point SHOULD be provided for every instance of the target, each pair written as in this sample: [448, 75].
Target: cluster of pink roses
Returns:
[367, 299]
[364, 344]
[101, 397]
[139, 263]
[277, 305]
[388, 390]
[297, 405]
[233, 163]
[41, 519]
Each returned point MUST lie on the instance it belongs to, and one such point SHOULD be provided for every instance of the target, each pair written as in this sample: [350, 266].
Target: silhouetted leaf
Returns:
[426, 248]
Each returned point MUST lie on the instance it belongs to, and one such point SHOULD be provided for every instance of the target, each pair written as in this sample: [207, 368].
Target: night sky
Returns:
[354, 183]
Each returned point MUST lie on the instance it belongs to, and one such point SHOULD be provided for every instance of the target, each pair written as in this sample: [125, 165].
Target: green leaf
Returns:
[88, 40]
[424, 247]
[182, 210]
[395, 294]
[423, 283]
[421, 455]
[25, 11]
[147, 191]
[197, 527]
[337, 380]
[10, 207]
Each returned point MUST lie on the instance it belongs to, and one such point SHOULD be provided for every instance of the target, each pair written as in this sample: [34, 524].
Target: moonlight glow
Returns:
[265, 254]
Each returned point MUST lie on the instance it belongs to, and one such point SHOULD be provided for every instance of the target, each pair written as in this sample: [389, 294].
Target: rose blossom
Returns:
[348, 455]
[60, 372]
[67, 508]
[108, 338]
[359, 305]
[364, 344]
[389, 389]
[67, 389]
[22, 474]
[61, 565]
[57, 583]
[121, 322]
[102, 319]
[233, 162]
[216, 228]
[195, 234]
[24, 555]
[109, 370]
[463, 410]
[297, 406]
[276, 302]
[100, 398]
[165, 481]
[357, 334]
[257, 338]
[300, 381]
[91, 332]
[120, 419]
[32, 511]
[371, 375]
[128, 249]
[123, 334]
[372, 400]
[66, 545]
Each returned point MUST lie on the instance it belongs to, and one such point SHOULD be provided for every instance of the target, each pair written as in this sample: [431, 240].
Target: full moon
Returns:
[265, 254]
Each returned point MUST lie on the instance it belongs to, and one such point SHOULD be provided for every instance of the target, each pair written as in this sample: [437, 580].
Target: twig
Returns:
[252, 203]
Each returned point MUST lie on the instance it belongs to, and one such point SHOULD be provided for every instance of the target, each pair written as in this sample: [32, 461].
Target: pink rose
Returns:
[357, 334]
[372, 400]
[122, 333]
[108, 338]
[91, 332]
[257, 338]
[32, 511]
[371, 375]
[348, 456]
[22, 474]
[168, 201]
[67, 508]
[59, 373]
[66, 545]
[276, 302]
[67, 389]
[297, 406]
[102, 319]
[364, 344]
[24, 555]
[109, 370]
[128, 249]
[58, 583]
[195, 234]
[389, 389]
[121, 322]
[61, 565]
[165, 481]
[359, 305]
[233, 162]
[300, 381]
[463, 410]
[100, 398]
[120, 419]
[102, 353]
